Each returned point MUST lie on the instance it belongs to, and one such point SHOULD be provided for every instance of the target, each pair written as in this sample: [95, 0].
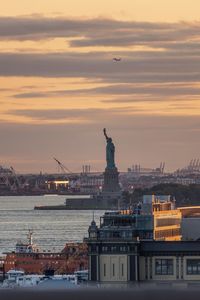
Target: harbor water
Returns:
[52, 228]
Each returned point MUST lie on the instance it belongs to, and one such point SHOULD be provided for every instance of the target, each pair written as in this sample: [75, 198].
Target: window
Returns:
[164, 266]
[193, 266]
[104, 270]
[116, 234]
[113, 248]
[104, 249]
[113, 269]
[122, 248]
[122, 270]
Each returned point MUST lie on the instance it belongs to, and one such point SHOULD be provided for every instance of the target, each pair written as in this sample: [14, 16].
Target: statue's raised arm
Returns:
[104, 131]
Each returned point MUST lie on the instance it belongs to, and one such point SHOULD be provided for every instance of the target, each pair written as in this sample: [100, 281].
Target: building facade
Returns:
[142, 245]
[144, 261]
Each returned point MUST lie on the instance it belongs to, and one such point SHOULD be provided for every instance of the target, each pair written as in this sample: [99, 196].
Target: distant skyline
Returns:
[59, 85]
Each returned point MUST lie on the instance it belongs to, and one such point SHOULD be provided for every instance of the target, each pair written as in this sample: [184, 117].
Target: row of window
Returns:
[119, 222]
[116, 234]
[34, 263]
[29, 262]
[129, 234]
[35, 255]
[162, 267]
[115, 249]
[167, 222]
[167, 233]
[146, 235]
[166, 267]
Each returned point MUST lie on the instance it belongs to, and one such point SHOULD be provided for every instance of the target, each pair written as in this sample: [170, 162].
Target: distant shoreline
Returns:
[64, 207]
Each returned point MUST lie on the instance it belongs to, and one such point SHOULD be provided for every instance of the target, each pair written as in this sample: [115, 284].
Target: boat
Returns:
[18, 279]
[82, 275]
[32, 260]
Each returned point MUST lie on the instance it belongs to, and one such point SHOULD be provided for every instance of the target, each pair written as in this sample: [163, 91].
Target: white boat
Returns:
[82, 275]
[17, 279]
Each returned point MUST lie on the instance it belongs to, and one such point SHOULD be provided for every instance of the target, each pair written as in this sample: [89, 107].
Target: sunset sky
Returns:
[59, 85]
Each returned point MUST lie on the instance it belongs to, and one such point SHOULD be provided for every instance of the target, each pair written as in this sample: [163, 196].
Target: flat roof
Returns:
[170, 246]
[78, 197]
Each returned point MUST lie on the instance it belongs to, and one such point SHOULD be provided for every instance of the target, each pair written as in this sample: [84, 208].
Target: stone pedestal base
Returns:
[111, 182]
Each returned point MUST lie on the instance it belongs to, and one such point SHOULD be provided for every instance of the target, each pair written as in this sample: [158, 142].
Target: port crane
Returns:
[62, 167]
[9, 178]
[16, 177]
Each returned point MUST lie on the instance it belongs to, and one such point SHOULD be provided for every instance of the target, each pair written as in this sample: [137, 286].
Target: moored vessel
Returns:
[32, 260]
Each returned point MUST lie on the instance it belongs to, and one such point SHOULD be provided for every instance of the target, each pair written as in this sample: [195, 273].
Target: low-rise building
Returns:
[142, 245]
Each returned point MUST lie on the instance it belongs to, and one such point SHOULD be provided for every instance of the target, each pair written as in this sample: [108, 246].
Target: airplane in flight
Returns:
[116, 59]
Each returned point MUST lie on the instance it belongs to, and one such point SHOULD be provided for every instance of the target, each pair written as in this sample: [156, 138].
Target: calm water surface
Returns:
[52, 229]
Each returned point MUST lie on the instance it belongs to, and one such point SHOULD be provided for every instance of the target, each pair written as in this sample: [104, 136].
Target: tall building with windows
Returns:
[166, 219]
[143, 245]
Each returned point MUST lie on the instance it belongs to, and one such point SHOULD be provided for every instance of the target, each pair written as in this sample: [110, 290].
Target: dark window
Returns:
[122, 269]
[114, 249]
[116, 234]
[93, 248]
[132, 268]
[104, 249]
[104, 270]
[93, 268]
[122, 248]
[113, 269]
[193, 266]
[164, 266]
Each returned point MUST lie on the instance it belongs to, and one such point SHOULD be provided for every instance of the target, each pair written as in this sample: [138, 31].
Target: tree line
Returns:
[185, 195]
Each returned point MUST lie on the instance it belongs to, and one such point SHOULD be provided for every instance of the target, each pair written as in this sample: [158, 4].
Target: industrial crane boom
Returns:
[62, 166]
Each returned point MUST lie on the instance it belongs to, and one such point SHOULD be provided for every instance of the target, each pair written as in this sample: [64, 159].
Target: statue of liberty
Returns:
[110, 151]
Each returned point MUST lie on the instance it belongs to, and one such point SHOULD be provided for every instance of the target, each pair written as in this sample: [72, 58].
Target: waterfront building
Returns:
[155, 218]
[57, 185]
[140, 261]
[142, 245]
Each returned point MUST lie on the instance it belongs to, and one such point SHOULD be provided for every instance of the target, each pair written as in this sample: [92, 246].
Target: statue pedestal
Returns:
[111, 187]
